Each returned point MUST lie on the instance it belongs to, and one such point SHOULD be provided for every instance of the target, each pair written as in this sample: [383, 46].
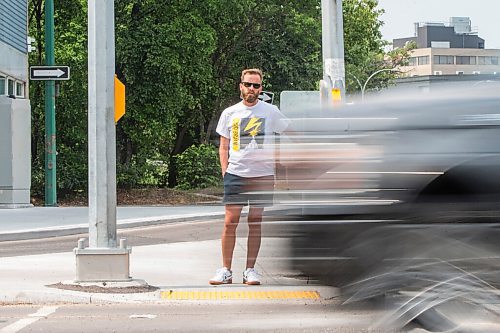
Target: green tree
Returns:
[71, 110]
[71, 102]
[162, 52]
[181, 61]
[283, 38]
[36, 30]
[190, 61]
[364, 46]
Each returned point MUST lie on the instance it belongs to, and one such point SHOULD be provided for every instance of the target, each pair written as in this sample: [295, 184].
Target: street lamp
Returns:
[357, 80]
[373, 74]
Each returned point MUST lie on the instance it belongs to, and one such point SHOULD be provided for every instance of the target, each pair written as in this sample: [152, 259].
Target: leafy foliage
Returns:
[363, 44]
[181, 61]
[198, 167]
[400, 56]
[71, 102]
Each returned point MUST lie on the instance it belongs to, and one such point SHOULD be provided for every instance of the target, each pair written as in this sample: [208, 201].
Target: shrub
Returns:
[127, 175]
[198, 167]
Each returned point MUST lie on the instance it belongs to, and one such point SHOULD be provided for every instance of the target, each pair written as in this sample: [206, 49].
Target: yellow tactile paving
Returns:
[217, 295]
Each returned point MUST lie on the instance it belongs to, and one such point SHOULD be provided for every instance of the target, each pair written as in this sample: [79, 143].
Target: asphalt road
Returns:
[188, 317]
[161, 234]
[168, 233]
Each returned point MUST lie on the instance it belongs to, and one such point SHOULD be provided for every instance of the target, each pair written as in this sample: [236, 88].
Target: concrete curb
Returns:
[61, 296]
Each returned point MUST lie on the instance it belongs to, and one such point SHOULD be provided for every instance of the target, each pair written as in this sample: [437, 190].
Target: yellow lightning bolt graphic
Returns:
[255, 124]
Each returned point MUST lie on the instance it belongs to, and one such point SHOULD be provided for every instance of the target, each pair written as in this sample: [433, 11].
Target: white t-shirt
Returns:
[250, 130]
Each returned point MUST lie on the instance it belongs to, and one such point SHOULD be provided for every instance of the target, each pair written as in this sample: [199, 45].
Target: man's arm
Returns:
[224, 154]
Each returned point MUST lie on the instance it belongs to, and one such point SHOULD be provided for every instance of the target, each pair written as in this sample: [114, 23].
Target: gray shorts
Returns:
[255, 191]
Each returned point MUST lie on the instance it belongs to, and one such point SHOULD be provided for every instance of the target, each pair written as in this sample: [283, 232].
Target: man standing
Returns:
[246, 155]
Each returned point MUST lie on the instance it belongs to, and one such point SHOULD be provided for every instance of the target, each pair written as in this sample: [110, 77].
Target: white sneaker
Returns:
[251, 277]
[222, 276]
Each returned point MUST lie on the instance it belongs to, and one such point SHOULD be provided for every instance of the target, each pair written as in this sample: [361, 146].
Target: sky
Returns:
[400, 15]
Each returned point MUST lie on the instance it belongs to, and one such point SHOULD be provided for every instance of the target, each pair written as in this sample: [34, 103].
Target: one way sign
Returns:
[49, 73]
[267, 96]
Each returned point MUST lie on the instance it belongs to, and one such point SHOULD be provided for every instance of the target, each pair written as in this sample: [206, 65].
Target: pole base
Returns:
[102, 264]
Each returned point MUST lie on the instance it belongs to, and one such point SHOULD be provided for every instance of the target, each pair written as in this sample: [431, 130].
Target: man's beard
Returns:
[250, 97]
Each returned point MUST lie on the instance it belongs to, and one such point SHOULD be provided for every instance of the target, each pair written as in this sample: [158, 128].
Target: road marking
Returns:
[143, 316]
[216, 295]
[22, 323]
[386, 172]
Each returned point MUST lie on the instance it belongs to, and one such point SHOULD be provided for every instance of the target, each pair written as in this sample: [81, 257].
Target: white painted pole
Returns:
[101, 127]
[333, 46]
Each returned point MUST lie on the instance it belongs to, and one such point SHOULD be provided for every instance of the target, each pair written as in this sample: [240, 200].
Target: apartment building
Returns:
[13, 48]
[15, 112]
[452, 48]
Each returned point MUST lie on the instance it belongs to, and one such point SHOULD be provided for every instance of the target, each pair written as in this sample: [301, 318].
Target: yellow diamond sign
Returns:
[119, 99]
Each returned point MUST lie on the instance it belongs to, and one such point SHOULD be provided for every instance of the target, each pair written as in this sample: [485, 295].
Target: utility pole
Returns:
[50, 111]
[102, 136]
[103, 260]
[332, 87]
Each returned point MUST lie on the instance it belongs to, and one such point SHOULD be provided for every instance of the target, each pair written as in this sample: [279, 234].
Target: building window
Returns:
[412, 61]
[444, 60]
[10, 87]
[20, 89]
[423, 60]
[487, 60]
[465, 60]
[2, 85]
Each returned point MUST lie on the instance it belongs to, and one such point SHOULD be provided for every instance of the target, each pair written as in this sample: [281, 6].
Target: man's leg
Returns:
[231, 220]
[254, 234]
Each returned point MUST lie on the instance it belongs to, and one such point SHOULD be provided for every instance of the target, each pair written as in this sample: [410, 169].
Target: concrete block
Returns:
[94, 265]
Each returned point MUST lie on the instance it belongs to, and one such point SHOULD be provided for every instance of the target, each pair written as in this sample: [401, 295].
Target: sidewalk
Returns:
[176, 268]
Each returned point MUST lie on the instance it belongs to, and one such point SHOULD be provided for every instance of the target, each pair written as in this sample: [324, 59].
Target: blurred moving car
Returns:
[400, 196]
[422, 148]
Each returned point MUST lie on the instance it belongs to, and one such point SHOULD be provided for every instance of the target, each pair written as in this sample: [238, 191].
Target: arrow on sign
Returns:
[267, 97]
[49, 73]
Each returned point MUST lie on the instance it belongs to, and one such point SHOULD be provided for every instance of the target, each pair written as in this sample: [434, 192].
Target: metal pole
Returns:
[50, 111]
[357, 80]
[373, 74]
[333, 45]
[102, 136]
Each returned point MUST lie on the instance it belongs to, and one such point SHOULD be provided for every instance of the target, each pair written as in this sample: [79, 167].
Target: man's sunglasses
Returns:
[255, 85]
